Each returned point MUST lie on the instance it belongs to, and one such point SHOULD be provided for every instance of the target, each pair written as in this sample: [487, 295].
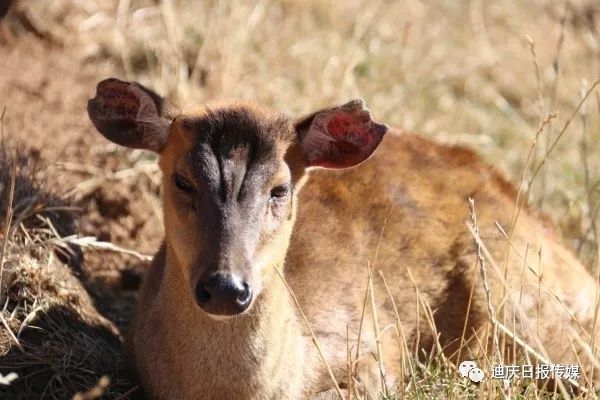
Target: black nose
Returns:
[223, 294]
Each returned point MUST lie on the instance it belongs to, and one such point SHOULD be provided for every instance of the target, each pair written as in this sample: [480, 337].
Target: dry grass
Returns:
[490, 75]
[479, 74]
[52, 335]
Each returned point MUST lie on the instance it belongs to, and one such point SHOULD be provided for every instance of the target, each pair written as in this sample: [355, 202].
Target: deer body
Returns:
[215, 321]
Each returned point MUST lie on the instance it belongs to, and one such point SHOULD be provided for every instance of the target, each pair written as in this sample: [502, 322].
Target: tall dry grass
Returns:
[468, 72]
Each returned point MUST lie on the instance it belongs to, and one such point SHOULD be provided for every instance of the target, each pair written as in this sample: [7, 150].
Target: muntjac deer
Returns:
[249, 192]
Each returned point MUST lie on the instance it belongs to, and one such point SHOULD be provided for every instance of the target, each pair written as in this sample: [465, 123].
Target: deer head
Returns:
[231, 174]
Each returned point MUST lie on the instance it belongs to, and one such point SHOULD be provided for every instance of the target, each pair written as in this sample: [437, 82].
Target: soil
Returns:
[44, 87]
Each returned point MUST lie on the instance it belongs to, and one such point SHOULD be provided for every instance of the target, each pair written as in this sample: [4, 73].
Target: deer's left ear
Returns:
[339, 137]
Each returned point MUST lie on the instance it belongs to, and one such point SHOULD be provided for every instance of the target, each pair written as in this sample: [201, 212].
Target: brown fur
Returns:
[413, 194]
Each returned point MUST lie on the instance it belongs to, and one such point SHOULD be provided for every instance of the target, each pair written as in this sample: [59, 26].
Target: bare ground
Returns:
[69, 318]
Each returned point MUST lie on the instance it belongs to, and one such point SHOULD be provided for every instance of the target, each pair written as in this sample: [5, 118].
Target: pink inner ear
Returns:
[342, 137]
[342, 126]
[118, 100]
[124, 102]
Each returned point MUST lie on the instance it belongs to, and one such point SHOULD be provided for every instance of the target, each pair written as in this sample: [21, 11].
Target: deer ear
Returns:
[130, 115]
[339, 137]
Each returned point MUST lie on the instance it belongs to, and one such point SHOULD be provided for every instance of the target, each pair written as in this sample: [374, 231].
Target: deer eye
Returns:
[279, 192]
[183, 184]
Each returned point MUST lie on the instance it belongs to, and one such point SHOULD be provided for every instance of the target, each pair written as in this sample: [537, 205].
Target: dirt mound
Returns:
[54, 337]
[66, 306]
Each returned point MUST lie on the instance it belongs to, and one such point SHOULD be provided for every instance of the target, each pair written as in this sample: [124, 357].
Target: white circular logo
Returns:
[469, 369]
[476, 375]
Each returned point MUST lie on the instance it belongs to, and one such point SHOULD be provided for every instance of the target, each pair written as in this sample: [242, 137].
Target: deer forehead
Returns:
[229, 139]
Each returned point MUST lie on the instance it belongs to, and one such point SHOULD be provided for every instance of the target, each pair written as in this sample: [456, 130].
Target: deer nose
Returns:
[223, 294]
